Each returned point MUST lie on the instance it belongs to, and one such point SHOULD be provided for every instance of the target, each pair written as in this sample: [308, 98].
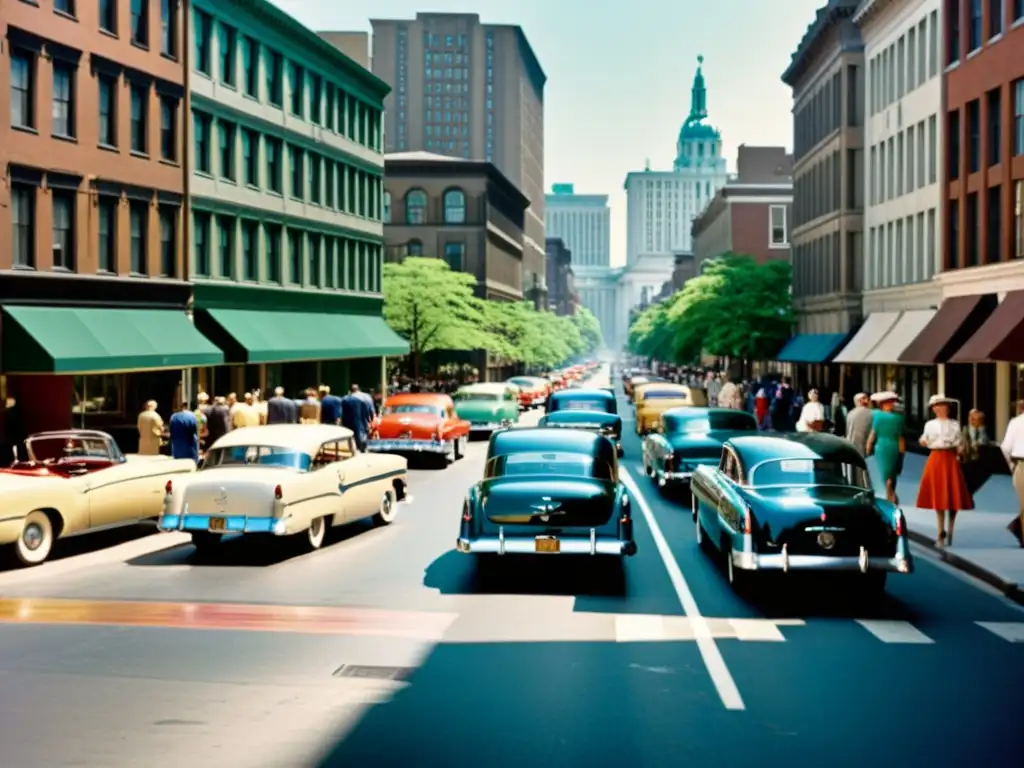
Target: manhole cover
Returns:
[373, 673]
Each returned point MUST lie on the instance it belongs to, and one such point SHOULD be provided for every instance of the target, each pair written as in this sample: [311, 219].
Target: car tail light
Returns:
[626, 509]
[900, 528]
[748, 521]
[278, 492]
[169, 487]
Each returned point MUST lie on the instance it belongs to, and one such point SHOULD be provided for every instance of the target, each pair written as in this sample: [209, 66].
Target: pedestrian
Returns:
[309, 411]
[812, 415]
[943, 488]
[1013, 450]
[859, 421]
[761, 406]
[887, 441]
[151, 429]
[281, 410]
[330, 406]
[368, 398]
[782, 407]
[184, 434]
[972, 453]
[837, 414]
[218, 420]
[730, 396]
[356, 415]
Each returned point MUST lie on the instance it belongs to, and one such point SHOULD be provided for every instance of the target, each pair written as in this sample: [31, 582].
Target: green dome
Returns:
[697, 132]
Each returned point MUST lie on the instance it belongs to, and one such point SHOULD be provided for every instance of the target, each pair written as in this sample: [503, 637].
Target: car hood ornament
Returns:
[222, 500]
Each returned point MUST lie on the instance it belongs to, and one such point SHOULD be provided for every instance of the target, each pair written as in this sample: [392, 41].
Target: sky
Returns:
[619, 75]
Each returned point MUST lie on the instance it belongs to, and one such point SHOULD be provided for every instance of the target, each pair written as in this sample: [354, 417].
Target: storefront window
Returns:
[1016, 387]
[96, 395]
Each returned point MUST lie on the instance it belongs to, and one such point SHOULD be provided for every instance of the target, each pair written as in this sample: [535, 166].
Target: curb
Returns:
[1009, 589]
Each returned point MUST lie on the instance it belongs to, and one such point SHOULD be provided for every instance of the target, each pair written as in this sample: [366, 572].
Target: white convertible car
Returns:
[283, 480]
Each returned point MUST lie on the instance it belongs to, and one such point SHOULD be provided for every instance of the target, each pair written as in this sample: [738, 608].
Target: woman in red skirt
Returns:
[943, 487]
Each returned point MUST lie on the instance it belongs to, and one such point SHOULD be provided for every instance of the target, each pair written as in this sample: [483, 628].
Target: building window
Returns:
[315, 279]
[453, 255]
[779, 232]
[329, 183]
[63, 100]
[315, 99]
[994, 211]
[23, 225]
[297, 159]
[226, 136]
[23, 114]
[414, 248]
[454, 207]
[201, 243]
[314, 178]
[108, 16]
[298, 82]
[250, 253]
[250, 157]
[201, 127]
[973, 231]
[995, 126]
[169, 28]
[272, 239]
[274, 66]
[416, 207]
[387, 207]
[168, 241]
[272, 147]
[140, 115]
[1018, 117]
[202, 33]
[107, 234]
[140, 22]
[953, 32]
[138, 213]
[226, 40]
[250, 67]
[64, 229]
[1018, 220]
[995, 18]
[295, 256]
[169, 128]
[226, 247]
[953, 144]
[974, 136]
[108, 110]
[974, 30]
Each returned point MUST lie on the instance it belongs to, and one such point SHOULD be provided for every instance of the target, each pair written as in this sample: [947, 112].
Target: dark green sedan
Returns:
[800, 502]
[594, 410]
[548, 492]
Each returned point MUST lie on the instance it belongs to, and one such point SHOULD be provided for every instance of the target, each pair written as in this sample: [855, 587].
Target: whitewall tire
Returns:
[317, 532]
[36, 540]
[388, 509]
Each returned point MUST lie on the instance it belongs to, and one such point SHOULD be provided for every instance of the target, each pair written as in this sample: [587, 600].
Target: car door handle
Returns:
[341, 475]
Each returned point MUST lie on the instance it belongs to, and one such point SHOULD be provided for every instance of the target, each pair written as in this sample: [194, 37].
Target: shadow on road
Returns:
[780, 596]
[88, 543]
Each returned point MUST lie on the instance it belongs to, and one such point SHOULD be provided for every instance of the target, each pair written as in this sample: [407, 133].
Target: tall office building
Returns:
[583, 222]
[469, 90]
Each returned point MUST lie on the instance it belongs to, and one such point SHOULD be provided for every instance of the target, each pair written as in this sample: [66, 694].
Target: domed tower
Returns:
[700, 145]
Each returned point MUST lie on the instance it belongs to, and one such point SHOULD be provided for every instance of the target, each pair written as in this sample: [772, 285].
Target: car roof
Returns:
[419, 398]
[488, 387]
[302, 437]
[541, 439]
[701, 412]
[798, 445]
[583, 392]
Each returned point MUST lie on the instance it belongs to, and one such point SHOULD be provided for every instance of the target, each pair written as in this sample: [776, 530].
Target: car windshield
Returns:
[522, 382]
[257, 455]
[809, 472]
[582, 404]
[477, 397]
[729, 422]
[663, 394]
[561, 463]
[54, 448]
[433, 410]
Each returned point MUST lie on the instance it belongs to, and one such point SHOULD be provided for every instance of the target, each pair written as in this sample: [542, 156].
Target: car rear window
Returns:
[604, 405]
[663, 394]
[256, 455]
[476, 397]
[726, 422]
[809, 472]
[431, 409]
[561, 464]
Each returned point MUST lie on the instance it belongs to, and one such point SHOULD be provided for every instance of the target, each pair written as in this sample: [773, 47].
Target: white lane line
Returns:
[639, 628]
[1010, 631]
[757, 630]
[889, 631]
[706, 644]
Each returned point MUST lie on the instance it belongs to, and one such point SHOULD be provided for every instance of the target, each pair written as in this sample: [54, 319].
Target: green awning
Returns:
[251, 336]
[811, 348]
[68, 340]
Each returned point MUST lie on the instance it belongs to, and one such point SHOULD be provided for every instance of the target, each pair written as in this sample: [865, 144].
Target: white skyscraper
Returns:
[583, 222]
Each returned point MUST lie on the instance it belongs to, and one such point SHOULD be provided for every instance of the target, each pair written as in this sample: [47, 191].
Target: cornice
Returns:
[826, 18]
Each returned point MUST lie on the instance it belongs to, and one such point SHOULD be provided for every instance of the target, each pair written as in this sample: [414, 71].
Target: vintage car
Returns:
[421, 423]
[653, 399]
[548, 491]
[487, 407]
[75, 482]
[284, 480]
[689, 438]
[800, 502]
[533, 390]
[593, 410]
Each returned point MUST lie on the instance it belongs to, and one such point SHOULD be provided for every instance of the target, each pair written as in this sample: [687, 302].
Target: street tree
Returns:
[535, 338]
[590, 330]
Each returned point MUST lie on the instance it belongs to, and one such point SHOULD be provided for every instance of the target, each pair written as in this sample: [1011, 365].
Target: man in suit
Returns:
[330, 406]
[218, 420]
[184, 433]
[858, 422]
[281, 410]
[367, 398]
[356, 415]
[151, 429]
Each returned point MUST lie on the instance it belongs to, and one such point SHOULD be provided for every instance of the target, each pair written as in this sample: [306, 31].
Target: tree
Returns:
[589, 328]
[537, 339]
[434, 308]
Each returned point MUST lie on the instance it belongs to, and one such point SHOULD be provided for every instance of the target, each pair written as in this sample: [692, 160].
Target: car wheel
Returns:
[386, 514]
[36, 540]
[317, 532]
[204, 541]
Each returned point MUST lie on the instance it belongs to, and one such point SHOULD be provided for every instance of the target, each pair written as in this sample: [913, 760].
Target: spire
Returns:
[698, 95]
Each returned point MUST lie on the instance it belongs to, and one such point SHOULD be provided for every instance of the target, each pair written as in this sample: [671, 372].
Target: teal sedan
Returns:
[487, 407]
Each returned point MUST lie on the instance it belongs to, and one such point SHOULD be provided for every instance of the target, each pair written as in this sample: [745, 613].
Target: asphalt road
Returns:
[384, 649]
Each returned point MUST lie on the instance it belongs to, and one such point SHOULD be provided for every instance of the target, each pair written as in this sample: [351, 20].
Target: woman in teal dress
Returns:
[886, 441]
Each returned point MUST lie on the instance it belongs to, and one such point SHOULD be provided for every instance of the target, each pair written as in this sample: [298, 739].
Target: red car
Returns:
[422, 423]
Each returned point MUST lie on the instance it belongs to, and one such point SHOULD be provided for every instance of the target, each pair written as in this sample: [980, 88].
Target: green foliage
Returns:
[589, 328]
[736, 308]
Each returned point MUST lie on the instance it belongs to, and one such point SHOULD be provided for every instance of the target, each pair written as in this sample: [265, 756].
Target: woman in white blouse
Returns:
[812, 415]
[943, 487]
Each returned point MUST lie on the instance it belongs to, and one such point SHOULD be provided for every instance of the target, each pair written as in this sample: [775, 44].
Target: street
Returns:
[385, 649]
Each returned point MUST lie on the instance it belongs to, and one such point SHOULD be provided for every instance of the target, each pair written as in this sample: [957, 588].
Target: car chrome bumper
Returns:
[189, 523]
[410, 446]
[673, 478]
[490, 426]
[902, 562]
[527, 545]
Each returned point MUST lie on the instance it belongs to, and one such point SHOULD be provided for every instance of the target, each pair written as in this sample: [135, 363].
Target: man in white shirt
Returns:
[1013, 450]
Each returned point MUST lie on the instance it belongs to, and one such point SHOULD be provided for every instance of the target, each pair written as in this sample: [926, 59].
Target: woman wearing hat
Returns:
[943, 487]
[886, 440]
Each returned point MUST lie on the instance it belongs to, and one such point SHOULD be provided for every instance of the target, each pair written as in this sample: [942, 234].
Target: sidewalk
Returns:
[982, 546]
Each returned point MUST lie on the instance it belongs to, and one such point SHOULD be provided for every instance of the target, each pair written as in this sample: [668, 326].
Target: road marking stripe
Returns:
[757, 630]
[709, 651]
[895, 631]
[1010, 631]
[639, 628]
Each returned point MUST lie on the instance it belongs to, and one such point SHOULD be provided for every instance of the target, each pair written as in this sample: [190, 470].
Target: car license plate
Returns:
[218, 524]
[547, 544]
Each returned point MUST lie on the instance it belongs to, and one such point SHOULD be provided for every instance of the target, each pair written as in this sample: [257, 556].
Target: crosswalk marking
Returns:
[638, 628]
[889, 631]
[1010, 631]
[757, 630]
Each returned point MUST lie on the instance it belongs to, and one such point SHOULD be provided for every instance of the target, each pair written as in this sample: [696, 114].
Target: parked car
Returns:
[689, 438]
[799, 502]
[533, 390]
[653, 399]
[75, 482]
[551, 492]
[594, 410]
[487, 407]
[421, 423]
[284, 480]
